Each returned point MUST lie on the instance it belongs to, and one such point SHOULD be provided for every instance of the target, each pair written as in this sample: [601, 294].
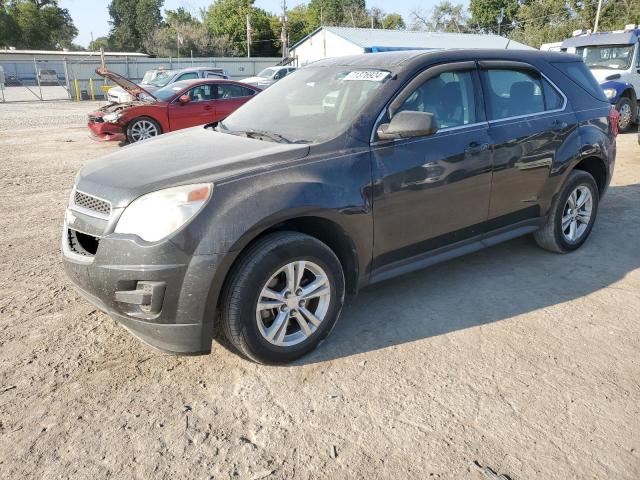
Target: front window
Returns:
[314, 105]
[168, 92]
[611, 57]
[449, 97]
[267, 73]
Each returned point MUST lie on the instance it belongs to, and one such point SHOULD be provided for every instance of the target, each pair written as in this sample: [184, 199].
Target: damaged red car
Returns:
[182, 104]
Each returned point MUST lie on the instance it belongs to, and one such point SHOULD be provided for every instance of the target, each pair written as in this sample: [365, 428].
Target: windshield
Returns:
[168, 92]
[162, 78]
[267, 73]
[611, 57]
[314, 105]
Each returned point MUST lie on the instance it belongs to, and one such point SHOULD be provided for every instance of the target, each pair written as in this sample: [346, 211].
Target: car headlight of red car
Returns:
[112, 117]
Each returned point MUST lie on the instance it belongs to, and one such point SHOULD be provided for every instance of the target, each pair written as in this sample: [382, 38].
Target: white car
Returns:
[120, 95]
[269, 76]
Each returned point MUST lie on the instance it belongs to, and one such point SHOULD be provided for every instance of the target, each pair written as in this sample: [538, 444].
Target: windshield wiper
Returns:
[274, 137]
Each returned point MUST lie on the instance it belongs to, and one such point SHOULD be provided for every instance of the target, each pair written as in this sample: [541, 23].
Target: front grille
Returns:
[92, 203]
[95, 119]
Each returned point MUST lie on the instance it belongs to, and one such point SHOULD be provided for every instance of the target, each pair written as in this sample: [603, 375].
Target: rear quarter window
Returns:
[580, 74]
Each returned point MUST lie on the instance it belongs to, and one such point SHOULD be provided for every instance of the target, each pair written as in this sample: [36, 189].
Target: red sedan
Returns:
[180, 105]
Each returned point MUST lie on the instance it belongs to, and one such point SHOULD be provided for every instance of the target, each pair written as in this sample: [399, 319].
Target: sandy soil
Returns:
[513, 357]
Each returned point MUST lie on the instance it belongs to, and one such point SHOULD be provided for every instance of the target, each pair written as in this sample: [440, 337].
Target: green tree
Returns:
[36, 24]
[393, 21]
[485, 13]
[98, 43]
[228, 18]
[132, 22]
[444, 17]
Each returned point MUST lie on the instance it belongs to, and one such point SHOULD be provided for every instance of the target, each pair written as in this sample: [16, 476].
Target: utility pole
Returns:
[500, 18]
[283, 35]
[595, 27]
[249, 32]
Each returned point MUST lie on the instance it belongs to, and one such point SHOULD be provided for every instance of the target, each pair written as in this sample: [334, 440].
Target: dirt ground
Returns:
[519, 359]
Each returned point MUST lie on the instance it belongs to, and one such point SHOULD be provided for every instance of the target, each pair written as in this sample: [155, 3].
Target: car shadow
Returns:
[495, 284]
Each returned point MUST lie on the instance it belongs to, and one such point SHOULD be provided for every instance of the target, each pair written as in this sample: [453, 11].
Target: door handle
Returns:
[476, 147]
[558, 125]
[208, 107]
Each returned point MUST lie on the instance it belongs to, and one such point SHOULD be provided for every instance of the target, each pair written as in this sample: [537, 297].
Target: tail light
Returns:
[614, 116]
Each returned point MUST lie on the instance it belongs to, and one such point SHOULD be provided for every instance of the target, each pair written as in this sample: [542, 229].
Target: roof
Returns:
[603, 38]
[375, 40]
[398, 60]
[68, 53]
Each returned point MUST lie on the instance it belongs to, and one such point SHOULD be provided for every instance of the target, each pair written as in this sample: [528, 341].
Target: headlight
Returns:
[111, 117]
[609, 92]
[159, 214]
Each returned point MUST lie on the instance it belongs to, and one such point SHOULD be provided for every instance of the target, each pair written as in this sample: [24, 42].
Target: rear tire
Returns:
[142, 128]
[282, 298]
[572, 214]
[626, 111]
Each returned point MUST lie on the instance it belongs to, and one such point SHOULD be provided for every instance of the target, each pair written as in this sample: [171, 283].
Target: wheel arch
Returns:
[597, 168]
[320, 227]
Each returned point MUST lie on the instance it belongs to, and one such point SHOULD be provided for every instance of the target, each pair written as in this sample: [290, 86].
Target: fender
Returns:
[620, 88]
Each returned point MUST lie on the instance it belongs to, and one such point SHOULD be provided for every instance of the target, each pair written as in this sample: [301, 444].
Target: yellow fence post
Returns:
[93, 96]
[75, 81]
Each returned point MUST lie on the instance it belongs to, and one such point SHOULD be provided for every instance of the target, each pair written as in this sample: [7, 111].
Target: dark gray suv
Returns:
[258, 225]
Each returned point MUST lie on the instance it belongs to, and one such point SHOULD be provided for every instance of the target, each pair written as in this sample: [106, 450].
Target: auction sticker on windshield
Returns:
[370, 75]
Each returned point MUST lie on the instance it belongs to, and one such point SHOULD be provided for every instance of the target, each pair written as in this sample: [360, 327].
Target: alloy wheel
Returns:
[293, 303]
[576, 214]
[143, 129]
[625, 116]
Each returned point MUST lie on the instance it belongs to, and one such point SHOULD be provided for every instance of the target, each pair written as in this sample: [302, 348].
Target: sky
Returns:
[91, 16]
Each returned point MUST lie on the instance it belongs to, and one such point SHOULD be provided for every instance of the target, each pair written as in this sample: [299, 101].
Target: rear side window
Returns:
[511, 93]
[233, 91]
[552, 99]
[580, 74]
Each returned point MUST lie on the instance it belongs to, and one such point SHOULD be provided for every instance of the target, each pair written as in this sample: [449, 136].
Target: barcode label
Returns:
[367, 75]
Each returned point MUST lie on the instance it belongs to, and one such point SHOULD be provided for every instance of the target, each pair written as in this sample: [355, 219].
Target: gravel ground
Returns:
[513, 357]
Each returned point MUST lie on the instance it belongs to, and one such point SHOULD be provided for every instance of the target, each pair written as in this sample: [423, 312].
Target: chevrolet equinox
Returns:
[350, 171]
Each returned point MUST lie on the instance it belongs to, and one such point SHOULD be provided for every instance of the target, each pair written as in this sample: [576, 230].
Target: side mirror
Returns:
[184, 99]
[408, 124]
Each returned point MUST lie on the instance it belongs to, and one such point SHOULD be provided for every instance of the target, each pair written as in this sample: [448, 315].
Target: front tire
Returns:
[142, 128]
[625, 109]
[282, 298]
[572, 214]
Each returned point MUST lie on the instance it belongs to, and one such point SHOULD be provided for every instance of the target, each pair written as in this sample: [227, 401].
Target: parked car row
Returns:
[349, 172]
[180, 104]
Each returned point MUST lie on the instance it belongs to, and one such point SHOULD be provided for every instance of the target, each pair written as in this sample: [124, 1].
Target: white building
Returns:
[339, 41]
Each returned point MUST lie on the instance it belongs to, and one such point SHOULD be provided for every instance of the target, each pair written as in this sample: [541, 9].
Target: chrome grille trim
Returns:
[88, 203]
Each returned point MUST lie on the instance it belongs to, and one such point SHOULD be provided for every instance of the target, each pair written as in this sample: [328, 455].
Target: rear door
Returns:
[198, 111]
[229, 97]
[528, 123]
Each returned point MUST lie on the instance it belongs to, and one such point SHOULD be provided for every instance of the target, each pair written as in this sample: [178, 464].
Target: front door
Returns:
[433, 191]
[199, 110]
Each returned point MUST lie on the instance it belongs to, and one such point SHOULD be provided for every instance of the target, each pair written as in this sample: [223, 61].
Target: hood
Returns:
[601, 74]
[131, 87]
[186, 156]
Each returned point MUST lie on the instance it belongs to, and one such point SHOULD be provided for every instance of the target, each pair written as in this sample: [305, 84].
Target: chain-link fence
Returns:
[74, 78]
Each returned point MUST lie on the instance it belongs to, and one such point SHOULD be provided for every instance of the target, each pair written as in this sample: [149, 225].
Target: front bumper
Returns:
[105, 131]
[183, 323]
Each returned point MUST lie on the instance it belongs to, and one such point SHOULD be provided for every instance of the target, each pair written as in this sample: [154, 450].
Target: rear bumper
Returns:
[183, 323]
[105, 131]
